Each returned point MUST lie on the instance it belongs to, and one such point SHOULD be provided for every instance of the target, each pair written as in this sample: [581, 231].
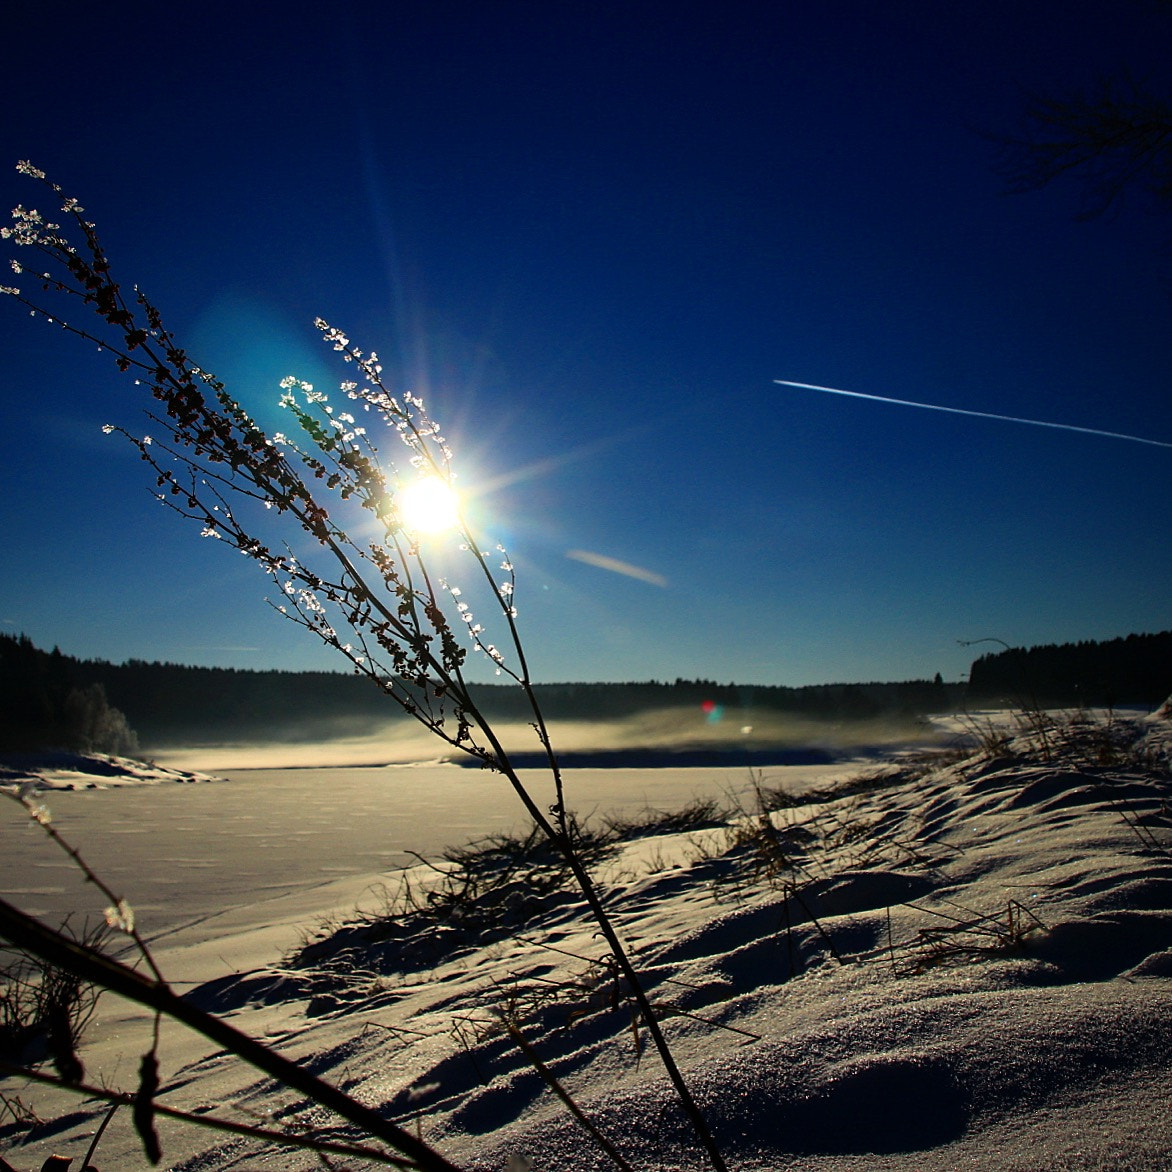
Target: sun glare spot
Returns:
[429, 505]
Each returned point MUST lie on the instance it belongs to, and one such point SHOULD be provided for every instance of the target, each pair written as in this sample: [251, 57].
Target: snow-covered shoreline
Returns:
[966, 964]
[61, 770]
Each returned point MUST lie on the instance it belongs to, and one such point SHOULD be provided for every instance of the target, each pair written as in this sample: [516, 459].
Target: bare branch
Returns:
[1114, 138]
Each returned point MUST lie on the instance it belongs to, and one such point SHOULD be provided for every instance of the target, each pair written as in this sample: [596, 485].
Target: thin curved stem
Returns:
[30, 934]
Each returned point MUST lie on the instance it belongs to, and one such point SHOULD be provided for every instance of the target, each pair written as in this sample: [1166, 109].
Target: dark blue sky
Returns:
[593, 235]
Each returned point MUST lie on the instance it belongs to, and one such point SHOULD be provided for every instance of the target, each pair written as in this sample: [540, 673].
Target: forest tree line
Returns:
[169, 704]
[52, 700]
[1135, 670]
[46, 704]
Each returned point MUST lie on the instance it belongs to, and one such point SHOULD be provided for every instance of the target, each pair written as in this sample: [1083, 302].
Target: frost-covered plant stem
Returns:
[360, 578]
[56, 949]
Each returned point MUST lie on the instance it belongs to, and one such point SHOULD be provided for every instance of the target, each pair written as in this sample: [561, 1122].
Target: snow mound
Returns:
[59, 770]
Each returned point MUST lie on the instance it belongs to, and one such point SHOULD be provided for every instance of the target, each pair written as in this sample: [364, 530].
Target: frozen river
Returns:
[199, 860]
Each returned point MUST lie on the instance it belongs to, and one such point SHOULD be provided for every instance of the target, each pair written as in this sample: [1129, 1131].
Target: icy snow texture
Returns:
[968, 967]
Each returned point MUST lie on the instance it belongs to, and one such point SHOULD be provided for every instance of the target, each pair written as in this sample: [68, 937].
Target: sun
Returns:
[429, 505]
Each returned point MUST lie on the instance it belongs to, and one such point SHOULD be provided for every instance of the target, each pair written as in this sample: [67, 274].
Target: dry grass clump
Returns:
[787, 841]
[698, 814]
[476, 895]
[972, 935]
[45, 1009]
[1087, 738]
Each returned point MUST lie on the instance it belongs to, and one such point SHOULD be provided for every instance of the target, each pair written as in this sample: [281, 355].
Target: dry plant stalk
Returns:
[378, 601]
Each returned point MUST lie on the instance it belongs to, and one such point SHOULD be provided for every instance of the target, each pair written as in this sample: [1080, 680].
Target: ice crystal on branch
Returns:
[121, 917]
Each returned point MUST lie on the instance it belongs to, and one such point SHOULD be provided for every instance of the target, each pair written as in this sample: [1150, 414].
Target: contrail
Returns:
[1135, 439]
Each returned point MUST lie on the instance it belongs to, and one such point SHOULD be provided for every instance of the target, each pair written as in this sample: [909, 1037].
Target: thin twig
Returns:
[28, 933]
[118, 1099]
[555, 1085]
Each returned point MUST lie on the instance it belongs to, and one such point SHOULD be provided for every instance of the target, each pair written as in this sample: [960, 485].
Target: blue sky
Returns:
[592, 235]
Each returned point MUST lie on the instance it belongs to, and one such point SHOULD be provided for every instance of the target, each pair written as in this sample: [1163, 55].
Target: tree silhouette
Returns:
[1115, 137]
